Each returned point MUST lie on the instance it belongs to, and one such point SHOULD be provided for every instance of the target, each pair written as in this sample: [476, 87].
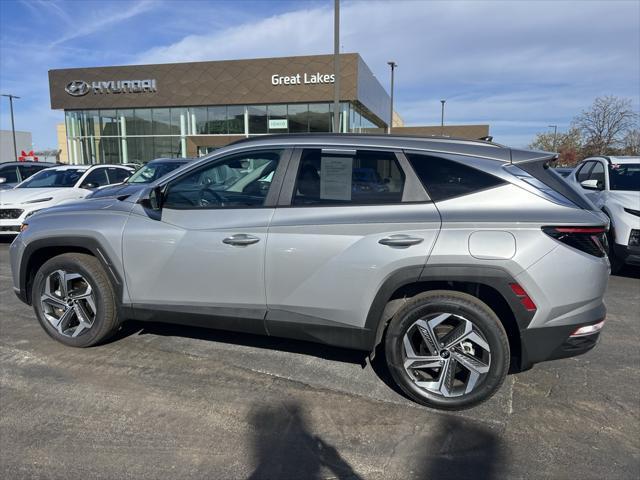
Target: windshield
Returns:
[52, 178]
[153, 171]
[624, 176]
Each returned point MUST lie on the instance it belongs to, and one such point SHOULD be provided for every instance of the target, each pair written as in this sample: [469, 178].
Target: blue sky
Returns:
[517, 65]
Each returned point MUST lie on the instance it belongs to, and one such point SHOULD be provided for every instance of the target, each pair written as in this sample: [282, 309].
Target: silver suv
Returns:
[456, 260]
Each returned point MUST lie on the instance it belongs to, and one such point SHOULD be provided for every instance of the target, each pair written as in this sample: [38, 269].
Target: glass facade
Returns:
[142, 134]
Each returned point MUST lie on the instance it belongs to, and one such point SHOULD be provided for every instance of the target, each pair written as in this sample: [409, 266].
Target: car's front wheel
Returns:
[447, 350]
[74, 300]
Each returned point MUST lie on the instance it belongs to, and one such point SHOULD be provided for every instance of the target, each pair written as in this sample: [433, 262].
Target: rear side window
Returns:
[361, 178]
[444, 179]
[98, 178]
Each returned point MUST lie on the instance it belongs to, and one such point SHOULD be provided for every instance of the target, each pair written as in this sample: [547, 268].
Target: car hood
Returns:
[110, 203]
[17, 196]
[119, 190]
[625, 198]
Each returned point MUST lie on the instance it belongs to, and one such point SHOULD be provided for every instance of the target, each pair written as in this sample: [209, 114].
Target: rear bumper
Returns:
[626, 254]
[552, 343]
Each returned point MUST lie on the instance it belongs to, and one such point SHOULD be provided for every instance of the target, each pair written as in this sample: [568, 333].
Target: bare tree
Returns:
[605, 124]
[568, 144]
[632, 142]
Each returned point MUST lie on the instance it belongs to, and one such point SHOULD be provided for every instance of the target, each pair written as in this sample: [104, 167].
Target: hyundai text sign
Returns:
[79, 88]
[303, 79]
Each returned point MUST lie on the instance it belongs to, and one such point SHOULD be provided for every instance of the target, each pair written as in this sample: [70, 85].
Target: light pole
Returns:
[442, 117]
[393, 66]
[13, 128]
[555, 135]
[336, 66]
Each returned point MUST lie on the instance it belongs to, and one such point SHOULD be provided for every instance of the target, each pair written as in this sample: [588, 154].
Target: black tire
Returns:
[471, 309]
[106, 320]
[614, 261]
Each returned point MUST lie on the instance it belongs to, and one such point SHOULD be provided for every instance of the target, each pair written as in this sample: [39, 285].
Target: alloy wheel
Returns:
[446, 354]
[68, 303]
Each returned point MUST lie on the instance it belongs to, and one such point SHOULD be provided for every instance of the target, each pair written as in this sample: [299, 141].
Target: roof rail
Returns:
[439, 138]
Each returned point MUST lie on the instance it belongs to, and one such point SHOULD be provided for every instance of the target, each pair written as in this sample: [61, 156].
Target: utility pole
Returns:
[336, 66]
[13, 128]
[442, 117]
[555, 136]
[393, 66]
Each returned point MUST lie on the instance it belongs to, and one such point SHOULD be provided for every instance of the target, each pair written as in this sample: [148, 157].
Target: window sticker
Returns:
[335, 178]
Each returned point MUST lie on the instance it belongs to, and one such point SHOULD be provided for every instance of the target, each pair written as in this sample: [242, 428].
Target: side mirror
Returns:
[153, 200]
[89, 185]
[591, 184]
[3, 180]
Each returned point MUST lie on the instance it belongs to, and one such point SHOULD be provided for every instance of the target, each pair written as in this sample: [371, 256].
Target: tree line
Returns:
[608, 127]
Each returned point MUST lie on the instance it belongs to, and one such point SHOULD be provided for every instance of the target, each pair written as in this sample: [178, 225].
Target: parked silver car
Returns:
[461, 259]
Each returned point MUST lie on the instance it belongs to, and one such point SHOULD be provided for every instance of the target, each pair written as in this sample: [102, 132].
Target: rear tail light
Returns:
[589, 329]
[524, 297]
[591, 240]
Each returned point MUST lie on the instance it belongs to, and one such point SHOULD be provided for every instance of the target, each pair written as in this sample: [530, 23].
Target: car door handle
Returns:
[241, 239]
[400, 240]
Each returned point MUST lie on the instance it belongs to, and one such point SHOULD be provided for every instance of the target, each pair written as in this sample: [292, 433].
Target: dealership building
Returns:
[140, 112]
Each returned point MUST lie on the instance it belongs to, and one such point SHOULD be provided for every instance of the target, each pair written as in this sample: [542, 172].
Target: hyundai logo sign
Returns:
[77, 88]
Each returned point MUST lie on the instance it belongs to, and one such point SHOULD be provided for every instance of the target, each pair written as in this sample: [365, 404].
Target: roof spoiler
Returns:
[532, 156]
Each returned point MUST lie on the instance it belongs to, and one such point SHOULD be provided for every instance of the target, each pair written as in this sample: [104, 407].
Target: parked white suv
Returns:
[54, 186]
[613, 185]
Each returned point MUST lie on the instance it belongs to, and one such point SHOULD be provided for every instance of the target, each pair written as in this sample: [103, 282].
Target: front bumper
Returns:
[626, 254]
[552, 343]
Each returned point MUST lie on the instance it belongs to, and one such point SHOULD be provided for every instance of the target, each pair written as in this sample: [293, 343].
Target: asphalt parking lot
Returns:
[170, 402]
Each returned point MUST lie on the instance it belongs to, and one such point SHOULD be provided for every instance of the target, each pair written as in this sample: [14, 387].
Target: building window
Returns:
[257, 119]
[217, 121]
[298, 117]
[235, 117]
[278, 122]
[319, 117]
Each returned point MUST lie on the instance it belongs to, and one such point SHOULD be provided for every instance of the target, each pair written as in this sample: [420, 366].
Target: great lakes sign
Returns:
[303, 79]
[78, 88]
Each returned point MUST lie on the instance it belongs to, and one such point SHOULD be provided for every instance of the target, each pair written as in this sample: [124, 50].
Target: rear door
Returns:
[346, 221]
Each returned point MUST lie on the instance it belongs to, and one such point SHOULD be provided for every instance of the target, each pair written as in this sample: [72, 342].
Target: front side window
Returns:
[53, 178]
[583, 173]
[444, 179]
[624, 176]
[10, 174]
[241, 180]
[597, 173]
[365, 177]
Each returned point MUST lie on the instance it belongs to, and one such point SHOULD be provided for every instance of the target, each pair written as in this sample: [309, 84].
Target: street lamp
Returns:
[393, 66]
[13, 128]
[555, 135]
[336, 66]
[442, 117]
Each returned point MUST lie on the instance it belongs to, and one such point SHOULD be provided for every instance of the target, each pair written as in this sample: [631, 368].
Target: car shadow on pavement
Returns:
[284, 447]
[629, 271]
[326, 352]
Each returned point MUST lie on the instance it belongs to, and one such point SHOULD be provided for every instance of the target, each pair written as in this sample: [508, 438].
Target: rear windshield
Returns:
[624, 176]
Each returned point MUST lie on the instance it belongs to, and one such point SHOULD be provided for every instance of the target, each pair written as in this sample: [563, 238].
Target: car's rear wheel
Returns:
[447, 350]
[74, 300]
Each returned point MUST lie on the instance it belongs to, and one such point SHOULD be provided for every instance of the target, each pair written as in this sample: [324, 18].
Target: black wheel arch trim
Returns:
[83, 242]
[490, 276]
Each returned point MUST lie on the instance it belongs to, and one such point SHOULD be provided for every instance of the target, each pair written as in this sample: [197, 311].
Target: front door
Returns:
[203, 256]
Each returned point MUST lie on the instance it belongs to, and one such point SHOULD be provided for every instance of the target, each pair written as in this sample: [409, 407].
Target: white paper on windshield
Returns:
[335, 178]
